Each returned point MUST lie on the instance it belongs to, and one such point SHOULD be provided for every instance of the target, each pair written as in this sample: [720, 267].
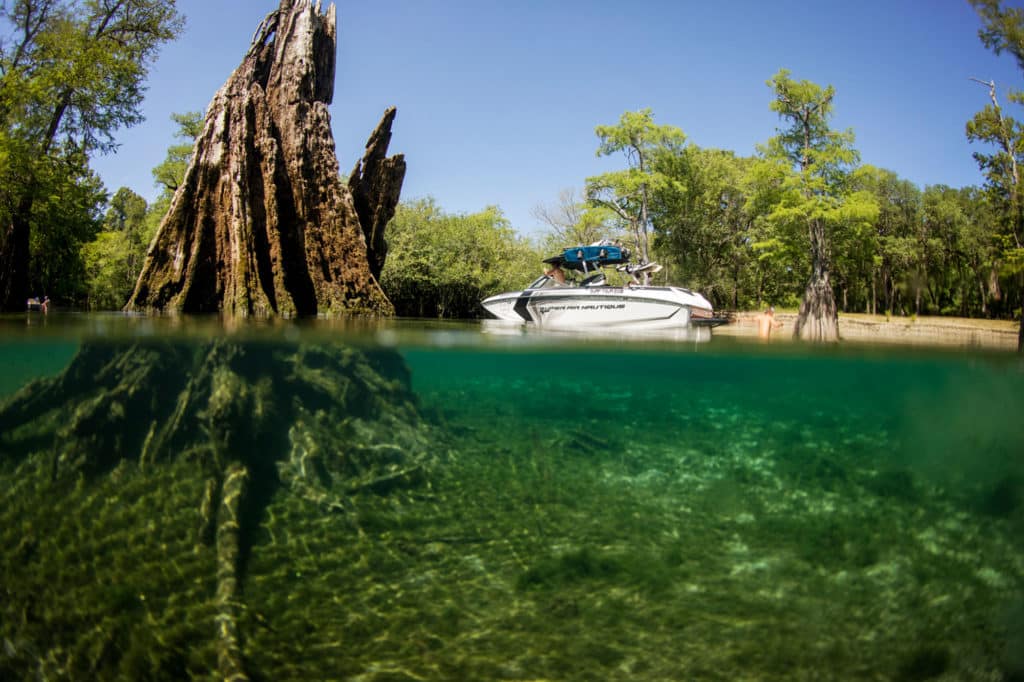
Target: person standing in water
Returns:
[766, 322]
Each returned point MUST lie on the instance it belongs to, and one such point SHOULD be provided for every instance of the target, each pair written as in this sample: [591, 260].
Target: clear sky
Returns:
[498, 99]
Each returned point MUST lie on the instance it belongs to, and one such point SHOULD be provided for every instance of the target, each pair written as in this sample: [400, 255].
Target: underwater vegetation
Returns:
[441, 515]
[145, 462]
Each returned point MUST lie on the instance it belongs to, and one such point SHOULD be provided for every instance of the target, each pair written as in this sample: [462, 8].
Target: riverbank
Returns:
[929, 331]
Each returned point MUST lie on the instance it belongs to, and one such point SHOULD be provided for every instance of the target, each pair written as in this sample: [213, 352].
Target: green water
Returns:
[595, 511]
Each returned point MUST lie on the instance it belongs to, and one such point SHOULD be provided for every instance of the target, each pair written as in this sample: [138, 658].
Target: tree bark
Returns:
[262, 223]
[874, 295]
[375, 184]
[818, 319]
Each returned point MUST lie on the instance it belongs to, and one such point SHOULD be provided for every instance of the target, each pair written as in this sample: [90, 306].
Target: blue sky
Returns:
[498, 100]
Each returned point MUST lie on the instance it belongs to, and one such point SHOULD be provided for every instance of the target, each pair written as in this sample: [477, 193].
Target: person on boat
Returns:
[766, 322]
[556, 273]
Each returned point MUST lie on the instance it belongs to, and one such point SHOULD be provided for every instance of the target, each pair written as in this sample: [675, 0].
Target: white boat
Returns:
[595, 304]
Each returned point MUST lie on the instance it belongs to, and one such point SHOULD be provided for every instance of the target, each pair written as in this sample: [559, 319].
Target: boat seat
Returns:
[594, 280]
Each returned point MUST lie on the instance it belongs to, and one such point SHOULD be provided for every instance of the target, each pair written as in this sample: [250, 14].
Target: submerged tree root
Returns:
[229, 651]
[235, 422]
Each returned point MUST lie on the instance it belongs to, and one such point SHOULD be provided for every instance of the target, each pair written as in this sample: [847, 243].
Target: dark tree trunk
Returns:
[874, 295]
[818, 319]
[14, 257]
[262, 223]
[736, 287]
[1020, 328]
[885, 298]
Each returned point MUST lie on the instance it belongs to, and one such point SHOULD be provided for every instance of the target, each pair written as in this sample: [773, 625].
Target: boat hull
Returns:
[633, 308]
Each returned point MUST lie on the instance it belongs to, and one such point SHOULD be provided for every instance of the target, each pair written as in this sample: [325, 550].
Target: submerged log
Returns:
[262, 223]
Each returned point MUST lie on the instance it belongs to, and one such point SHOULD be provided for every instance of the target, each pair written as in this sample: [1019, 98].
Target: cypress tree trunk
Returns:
[262, 223]
[818, 319]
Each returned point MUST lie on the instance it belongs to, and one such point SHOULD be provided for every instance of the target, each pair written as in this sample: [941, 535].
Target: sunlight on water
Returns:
[438, 501]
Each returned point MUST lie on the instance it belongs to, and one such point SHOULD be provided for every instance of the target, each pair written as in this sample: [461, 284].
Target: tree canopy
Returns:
[1003, 30]
[171, 171]
[71, 74]
[442, 265]
[113, 260]
[627, 193]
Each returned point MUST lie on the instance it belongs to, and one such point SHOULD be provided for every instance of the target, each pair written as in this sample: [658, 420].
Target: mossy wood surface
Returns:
[263, 223]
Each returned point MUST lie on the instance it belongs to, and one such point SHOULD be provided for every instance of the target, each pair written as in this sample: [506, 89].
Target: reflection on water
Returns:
[427, 501]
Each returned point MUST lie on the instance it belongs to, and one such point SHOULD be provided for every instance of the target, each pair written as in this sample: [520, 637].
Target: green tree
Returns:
[805, 169]
[702, 227]
[71, 74]
[886, 248]
[71, 213]
[1003, 30]
[171, 171]
[982, 252]
[627, 193]
[442, 265]
[113, 260]
[940, 247]
[571, 222]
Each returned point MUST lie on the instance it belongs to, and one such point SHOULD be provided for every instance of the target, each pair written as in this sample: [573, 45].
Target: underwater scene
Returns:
[419, 501]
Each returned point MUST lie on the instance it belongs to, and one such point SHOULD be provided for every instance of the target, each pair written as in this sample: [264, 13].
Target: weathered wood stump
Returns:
[375, 183]
[262, 223]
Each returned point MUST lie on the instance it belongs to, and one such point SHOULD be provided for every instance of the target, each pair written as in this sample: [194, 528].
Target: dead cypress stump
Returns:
[262, 223]
[375, 183]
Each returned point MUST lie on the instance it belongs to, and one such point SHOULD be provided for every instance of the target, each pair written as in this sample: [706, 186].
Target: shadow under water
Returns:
[421, 510]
